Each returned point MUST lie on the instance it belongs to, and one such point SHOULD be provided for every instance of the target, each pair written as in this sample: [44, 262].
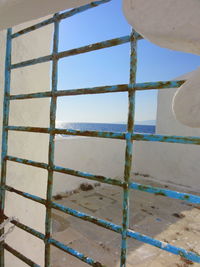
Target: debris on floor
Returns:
[172, 221]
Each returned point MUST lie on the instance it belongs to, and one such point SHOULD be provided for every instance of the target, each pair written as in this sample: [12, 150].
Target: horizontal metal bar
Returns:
[72, 52]
[108, 225]
[27, 228]
[28, 162]
[72, 172]
[157, 85]
[20, 256]
[102, 89]
[166, 192]
[136, 186]
[167, 139]
[72, 92]
[164, 246]
[75, 253]
[58, 244]
[88, 176]
[61, 16]
[114, 135]
[67, 210]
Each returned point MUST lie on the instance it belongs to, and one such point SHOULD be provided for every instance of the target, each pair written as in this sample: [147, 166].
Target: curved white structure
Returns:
[173, 24]
[14, 12]
[186, 102]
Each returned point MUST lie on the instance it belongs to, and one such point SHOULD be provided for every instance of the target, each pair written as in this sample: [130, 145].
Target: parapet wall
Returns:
[176, 164]
[172, 163]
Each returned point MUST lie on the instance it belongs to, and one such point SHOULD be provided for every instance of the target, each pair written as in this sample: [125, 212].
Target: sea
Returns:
[104, 127]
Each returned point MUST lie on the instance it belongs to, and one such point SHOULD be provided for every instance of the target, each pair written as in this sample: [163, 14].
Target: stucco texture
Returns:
[170, 163]
[27, 145]
[172, 24]
[14, 12]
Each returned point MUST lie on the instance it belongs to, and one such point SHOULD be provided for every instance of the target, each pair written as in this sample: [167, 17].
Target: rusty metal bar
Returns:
[103, 89]
[72, 52]
[112, 135]
[20, 256]
[167, 139]
[52, 131]
[4, 148]
[89, 176]
[192, 140]
[100, 222]
[129, 148]
[136, 186]
[166, 192]
[53, 106]
[59, 17]
[58, 244]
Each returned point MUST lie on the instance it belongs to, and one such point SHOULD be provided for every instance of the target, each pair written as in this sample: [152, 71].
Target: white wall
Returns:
[173, 163]
[165, 162]
[27, 145]
[94, 155]
[14, 12]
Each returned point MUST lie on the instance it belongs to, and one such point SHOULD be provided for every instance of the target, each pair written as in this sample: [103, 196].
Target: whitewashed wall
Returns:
[94, 155]
[14, 12]
[27, 145]
[165, 162]
[173, 163]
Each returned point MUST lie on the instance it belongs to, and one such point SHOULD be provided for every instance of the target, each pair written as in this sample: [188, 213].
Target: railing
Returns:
[129, 137]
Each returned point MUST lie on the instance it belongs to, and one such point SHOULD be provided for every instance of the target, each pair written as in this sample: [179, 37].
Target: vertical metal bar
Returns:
[5, 135]
[53, 105]
[129, 146]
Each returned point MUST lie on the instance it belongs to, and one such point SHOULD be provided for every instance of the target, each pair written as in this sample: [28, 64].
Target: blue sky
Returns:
[111, 66]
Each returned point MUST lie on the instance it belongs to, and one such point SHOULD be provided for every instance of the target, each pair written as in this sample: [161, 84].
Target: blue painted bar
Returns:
[26, 195]
[166, 192]
[32, 62]
[136, 186]
[52, 131]
[53, 107]
[28, 162]
[98, 178]
[102, 89]
[85, 175]
[61, 16]
[87, 217]
[4, 148]
[167, 139]
[192, 140]
[72, 52]
[103, 223]
[75, 253]
[129, 147]
[113, 135]
[157, 85]
[164, 246]
[58, 244]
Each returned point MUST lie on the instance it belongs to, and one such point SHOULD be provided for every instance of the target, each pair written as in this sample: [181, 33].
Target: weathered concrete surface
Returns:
[172, 24]
[27, 145]
[165, 219]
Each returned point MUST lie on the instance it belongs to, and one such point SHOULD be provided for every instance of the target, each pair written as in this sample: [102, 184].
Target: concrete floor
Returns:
[173, 221]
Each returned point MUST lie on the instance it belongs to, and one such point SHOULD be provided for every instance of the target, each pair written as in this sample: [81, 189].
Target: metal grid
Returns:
[128, 136]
